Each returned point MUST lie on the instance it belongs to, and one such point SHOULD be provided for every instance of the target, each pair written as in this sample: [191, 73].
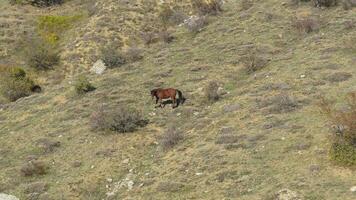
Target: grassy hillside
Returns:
[265, 133]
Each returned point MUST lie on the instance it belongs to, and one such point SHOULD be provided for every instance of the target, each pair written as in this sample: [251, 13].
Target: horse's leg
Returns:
[160, 101]
[173, 102]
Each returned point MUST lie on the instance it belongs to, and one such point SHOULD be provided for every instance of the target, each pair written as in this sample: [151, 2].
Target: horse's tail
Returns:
[181, 97]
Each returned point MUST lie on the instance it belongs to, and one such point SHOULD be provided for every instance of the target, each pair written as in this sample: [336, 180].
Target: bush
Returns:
[121, 120]
[39, 55]
[205, 7]
[324, 3]
[343, 148]
[211, 91]
[252, 61]
[195, 24]
[111, 57]
[14, 84]
[170, 138]
[34, 168]
[305, 25]
[82, 85]
[38, 3]
[133, 54]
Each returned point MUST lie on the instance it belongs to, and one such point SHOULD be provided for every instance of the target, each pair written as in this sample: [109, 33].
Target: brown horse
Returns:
[167, 93]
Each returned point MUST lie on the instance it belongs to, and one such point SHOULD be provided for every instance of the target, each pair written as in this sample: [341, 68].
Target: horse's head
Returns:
[153, 93]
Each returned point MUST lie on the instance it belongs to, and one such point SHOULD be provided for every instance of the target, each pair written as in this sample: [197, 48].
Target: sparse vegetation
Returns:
[82, 85]
[343, 148]
[121, 120]
[170, 138]
[211, 91]
[14, 83]
[112, 57]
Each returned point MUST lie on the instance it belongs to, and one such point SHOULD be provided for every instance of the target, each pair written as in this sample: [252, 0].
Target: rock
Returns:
[353, 189]
[232, 107]
[99, 67]
[7, 197]
[286, 194]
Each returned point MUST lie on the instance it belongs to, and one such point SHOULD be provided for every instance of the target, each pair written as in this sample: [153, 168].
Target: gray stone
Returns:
[99, 67]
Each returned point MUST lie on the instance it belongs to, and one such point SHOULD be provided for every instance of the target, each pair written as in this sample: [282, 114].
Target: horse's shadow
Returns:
[170, 102]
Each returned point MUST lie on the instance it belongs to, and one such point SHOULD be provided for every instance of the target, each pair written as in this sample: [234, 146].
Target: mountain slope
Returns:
[264, 135]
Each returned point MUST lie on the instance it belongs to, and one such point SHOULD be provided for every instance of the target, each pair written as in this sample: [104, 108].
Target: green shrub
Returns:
[121, 120]
[14, 84]
[112, 57]
[82, 85]
[52, 27]
[343, 149]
